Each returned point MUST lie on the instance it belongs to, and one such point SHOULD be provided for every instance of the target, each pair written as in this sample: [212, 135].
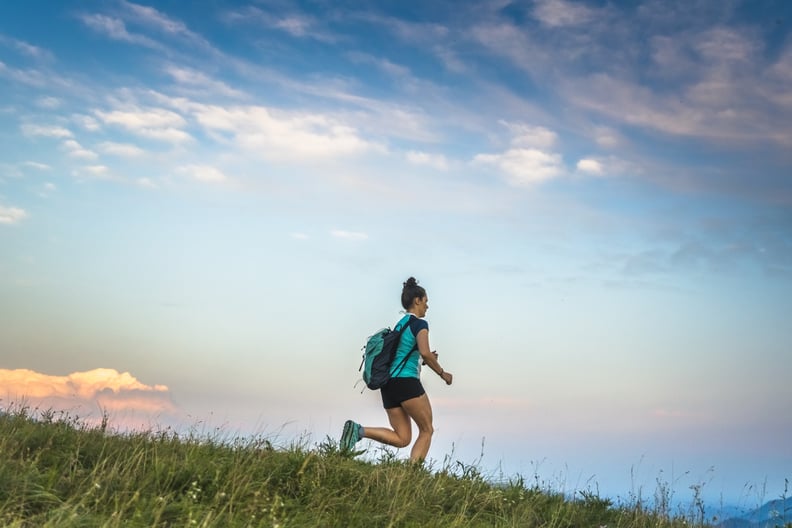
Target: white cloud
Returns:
[562, 13]
[279, 135]
[152, 123]
[523, 167]
[48, 102]
[116, 30]
[299, 236]
[531, 136]
[528, 161]
[96, 171]
[437, 161]
[47, 189]
[87, 122]
[147, 183]
[36, 165]
[11, 215]
[30, 130]
[76, 150]
[203, 173]
[725, 45]
[26, 48]
[607, 137]
[295, 24]
[30, 77]
[153, 19]
[388, 67]
[348, 235]
[200, 80]
[124, 150]
[590, 166]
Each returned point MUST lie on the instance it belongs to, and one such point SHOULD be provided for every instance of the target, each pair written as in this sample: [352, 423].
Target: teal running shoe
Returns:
[351, 435]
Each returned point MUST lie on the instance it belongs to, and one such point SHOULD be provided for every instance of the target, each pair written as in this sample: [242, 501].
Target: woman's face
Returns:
[421, 305]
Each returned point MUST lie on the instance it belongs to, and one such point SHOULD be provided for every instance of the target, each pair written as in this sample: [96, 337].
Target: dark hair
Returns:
[410, 291]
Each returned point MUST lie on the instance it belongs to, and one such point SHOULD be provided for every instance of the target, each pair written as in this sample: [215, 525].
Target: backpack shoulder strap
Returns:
[403, 362]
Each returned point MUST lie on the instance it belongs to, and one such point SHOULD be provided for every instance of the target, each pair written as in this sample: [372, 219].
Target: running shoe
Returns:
[351, 435]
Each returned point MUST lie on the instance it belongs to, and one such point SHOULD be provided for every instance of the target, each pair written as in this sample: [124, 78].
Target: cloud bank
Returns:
[128, 403]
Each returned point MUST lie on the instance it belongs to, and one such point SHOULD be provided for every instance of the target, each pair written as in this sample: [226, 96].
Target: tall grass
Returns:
[58, 472]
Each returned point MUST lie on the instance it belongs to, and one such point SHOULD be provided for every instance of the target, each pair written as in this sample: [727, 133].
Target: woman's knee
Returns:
[426, 429]
[402, 442]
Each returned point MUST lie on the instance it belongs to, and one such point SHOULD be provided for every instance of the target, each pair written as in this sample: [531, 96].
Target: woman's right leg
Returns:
[399, 436]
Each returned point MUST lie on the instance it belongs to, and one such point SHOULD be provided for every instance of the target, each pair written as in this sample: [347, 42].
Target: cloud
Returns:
[348, 235]
[48, 102]
[11, 215]
[152, 123]
[146, 183]
[203, 173]
[47, 189]
[722, 44]
[524, 167]
[281, 135]
[436, 161]
[26, 48]
[412, 33]
[76, 150]
[31, 77]
[299, 236]
[531, 136]
[93, 171]
[516, 45]
[115, 29]
[124, 397]
[297, 25]
[527, 161]
[124, 150]
[154, 19]
[562, 13]
[590, 166]
[607, 137]
[36, 165]
[30, 130]
[388, 67]
[87, 122]
[200, 80]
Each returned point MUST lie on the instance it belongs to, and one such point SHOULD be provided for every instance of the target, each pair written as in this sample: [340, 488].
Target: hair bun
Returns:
[411, 282]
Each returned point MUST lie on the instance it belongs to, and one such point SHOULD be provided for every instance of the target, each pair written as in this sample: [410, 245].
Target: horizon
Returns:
[204, 213]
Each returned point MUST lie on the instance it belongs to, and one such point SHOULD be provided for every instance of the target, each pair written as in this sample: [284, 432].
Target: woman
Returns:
[403, 396]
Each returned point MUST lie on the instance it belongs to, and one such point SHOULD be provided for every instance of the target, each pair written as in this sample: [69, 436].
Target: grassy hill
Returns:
[55, 471]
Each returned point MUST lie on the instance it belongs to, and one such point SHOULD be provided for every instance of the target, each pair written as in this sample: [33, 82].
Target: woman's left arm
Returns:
[429, 357]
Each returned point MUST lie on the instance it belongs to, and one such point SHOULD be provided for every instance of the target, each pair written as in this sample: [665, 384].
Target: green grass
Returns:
[55, 471]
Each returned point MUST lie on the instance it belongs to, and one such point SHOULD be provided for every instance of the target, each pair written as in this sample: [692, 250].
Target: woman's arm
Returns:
[429, 357]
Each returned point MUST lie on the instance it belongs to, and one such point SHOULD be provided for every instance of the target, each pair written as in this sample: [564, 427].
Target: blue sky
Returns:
[204, 212]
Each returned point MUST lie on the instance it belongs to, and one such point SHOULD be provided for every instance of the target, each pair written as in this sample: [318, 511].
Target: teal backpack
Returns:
[378, 355]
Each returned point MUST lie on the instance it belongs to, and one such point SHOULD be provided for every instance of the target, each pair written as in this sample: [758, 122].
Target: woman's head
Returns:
[414, 296]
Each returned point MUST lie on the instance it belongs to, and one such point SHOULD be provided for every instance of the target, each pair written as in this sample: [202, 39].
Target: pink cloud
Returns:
[129, 403]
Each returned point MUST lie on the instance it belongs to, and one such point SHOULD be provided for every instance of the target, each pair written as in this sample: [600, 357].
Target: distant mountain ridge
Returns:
[777, 512]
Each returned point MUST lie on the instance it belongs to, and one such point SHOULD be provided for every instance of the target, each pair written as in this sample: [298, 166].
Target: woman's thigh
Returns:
[400, 422]
[420, 410]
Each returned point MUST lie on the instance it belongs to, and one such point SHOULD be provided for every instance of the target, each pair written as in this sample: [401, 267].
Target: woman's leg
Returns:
[420, 410]
[399, 436]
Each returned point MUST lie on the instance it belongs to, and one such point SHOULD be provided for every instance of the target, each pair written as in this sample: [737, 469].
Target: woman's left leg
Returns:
[420, 410]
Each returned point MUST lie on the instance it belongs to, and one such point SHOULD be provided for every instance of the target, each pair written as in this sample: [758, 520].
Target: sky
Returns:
[204, 212]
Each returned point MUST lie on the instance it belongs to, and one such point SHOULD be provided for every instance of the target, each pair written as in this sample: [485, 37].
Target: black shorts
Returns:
[398, 390]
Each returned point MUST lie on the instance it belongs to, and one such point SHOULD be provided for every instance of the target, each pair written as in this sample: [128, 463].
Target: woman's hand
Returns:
[447, 377]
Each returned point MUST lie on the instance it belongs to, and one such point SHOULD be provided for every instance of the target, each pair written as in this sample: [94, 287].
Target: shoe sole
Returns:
[346, 436]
